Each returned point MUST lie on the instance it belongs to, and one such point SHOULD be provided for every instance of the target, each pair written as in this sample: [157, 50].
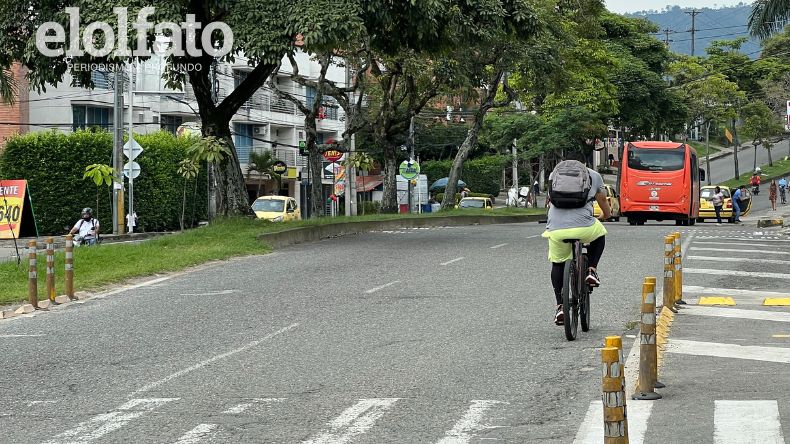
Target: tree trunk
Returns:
[231, 192]
[183, 204]
[734, 149]
[316, 169]
[754, 167]
[194, 204]
[770, 158]
[363, 195]
[389, 201]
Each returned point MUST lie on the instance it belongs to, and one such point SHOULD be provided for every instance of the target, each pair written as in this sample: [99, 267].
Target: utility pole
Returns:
[515, 169]
[667, 40]
[351, 172]
[411, 157]
[117, 153]
[693, 13]
[131, 138]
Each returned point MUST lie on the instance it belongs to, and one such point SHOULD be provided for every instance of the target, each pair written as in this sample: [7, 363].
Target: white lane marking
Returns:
[211, 293]
[737, 273]
[498, 246]
[759, 315]
[735, 351]
[21, 336]
[733, 292]
[32, 403]
[533, 236]
[591, 430]
[197, 434]
[105, 423]
[454, 260]
[462, 431]
[354, 421]
[208, 361]
[381, 287]
[738, 259]
[724, 243]
[737, 250]
[684, 247]
[736, 422]
[744, 239]
[235, 410]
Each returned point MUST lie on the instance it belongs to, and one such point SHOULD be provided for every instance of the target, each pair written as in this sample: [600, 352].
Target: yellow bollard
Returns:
[669, 273]
[69, 275]
[648, 353]
[32, 274]
[616, 342]
[678, 262]
[51, 270]
[615, 422]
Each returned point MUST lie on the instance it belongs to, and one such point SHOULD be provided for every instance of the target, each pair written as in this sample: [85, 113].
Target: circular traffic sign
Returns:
[131, 169]
[409, 169]
[279, 167]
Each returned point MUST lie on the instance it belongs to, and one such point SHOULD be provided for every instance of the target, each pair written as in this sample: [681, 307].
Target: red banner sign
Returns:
[12, 205]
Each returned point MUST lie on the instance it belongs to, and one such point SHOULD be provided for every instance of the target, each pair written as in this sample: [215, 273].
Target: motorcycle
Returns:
[756, 189]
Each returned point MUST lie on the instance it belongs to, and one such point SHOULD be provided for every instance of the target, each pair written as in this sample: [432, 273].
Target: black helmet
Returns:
[87, 210]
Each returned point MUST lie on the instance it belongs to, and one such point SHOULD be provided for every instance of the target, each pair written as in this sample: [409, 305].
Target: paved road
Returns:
[723, 169]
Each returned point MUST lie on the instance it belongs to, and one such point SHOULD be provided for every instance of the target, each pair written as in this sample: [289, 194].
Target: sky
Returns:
[623, 6]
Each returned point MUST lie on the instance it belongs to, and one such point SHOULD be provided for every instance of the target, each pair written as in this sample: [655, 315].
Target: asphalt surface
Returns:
[283, 348]
[723, 169]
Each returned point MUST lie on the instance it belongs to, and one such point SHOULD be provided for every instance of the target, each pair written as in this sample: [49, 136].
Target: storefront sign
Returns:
[16, 211]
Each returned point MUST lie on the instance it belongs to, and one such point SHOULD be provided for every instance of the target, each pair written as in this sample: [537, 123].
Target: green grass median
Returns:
[97, 267]
[781, 168]
[702, 150]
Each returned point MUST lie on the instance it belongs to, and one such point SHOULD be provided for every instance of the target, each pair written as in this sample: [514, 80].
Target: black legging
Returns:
[594, 253]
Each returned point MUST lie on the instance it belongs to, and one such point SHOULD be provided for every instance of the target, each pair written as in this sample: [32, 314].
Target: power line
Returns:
[693, 13]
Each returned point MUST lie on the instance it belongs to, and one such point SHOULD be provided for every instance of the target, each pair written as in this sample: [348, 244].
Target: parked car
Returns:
[614, 204]
[476, 202]
[276, 208]
[706, 210]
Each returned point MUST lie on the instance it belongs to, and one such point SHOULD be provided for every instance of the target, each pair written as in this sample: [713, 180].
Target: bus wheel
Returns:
[692, 221]
[631, 221]
[678, 222]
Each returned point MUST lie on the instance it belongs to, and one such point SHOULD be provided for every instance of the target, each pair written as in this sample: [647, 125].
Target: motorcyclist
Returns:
[755, 181]
[87, 228]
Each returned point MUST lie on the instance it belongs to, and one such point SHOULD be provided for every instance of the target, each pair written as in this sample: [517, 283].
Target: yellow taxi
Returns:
[706, 210]
[614, 203]
[476, 202]
[276, 208]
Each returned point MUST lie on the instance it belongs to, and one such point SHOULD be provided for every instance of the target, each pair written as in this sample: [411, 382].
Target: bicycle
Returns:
[783, 195]
[576, 291]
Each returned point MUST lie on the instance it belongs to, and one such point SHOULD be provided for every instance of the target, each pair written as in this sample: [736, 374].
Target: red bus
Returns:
[660, 181]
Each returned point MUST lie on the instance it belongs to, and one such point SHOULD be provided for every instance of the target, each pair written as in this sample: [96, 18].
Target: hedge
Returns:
[53, 163]
[482, 175]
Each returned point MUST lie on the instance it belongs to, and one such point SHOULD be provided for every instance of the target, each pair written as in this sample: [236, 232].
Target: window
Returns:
[89, 117]
[656, 159]
[310, 96]
[170, 123]
[239, 77]
[243, 140]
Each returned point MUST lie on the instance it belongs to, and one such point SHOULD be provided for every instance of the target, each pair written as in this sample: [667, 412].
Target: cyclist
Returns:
[783, 190]
[576, 222]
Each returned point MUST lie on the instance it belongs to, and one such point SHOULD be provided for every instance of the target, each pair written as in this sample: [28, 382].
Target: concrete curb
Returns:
[764, 222]
[300, 235]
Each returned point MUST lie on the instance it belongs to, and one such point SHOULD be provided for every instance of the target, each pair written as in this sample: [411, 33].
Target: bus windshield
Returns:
[656, 159]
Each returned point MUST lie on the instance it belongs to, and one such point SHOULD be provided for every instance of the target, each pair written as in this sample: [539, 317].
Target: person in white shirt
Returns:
[87, 228]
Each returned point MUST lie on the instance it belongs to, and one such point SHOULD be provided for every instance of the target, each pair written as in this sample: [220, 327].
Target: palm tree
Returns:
[765, 14]
[263, 164]
[361, 162]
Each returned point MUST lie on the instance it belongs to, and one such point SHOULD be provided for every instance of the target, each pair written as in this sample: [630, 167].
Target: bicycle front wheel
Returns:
[584, 299]
[569, 300]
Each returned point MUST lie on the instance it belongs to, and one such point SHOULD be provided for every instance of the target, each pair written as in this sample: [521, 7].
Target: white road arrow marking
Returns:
[354, 421]
[462, 431]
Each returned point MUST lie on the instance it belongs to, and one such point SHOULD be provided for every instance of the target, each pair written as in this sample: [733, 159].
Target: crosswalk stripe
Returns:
[759, 315]
[694, 289]
[461, 431]
[105, 423]
[738, 259]
[736, 422]
[197, 434]
[240, 408]
[591, 430]
[737, 273]
[743, 239]
[738, 250]
[736, 351]
[354, 421]
[724, 243]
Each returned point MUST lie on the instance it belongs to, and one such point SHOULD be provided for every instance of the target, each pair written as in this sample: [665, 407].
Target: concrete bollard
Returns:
[615, 420]
[51, 270]
[648, 353]
[669, 273]
[69, 275]
[32, 274]
[678, 262]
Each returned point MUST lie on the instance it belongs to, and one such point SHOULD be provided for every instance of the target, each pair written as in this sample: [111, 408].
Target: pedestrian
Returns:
[536, 188]
[87, 228]
[772, 189]
[464, 192]
[783, 190]
[736, 204]
[717, 200]
[131, 222]
[611, 159]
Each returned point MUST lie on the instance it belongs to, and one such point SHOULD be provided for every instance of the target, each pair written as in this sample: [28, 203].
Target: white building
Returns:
[265, 122]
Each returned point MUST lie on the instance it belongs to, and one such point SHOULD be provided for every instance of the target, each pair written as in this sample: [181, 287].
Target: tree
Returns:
[263, 165]
[100, 174]
[762, 126]
[188, 169]
[361, 162]
[765, 14]
[213, 151]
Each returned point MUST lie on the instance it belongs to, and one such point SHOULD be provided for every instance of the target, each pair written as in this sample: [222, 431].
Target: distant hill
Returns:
[712, 24]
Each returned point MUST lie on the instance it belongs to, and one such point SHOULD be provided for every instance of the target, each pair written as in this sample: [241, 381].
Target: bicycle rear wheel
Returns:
[584, 298]
[570, 306]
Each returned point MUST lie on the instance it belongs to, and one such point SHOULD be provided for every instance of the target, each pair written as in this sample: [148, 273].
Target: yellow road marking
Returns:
[780, 336]
[716, 300]
[777, 301]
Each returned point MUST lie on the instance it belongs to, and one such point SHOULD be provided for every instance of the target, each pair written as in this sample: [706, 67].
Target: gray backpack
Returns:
[570, 185]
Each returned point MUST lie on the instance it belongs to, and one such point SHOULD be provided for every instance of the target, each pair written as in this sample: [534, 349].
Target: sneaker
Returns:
[559, 317]
[719, 223]
[592, 279]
